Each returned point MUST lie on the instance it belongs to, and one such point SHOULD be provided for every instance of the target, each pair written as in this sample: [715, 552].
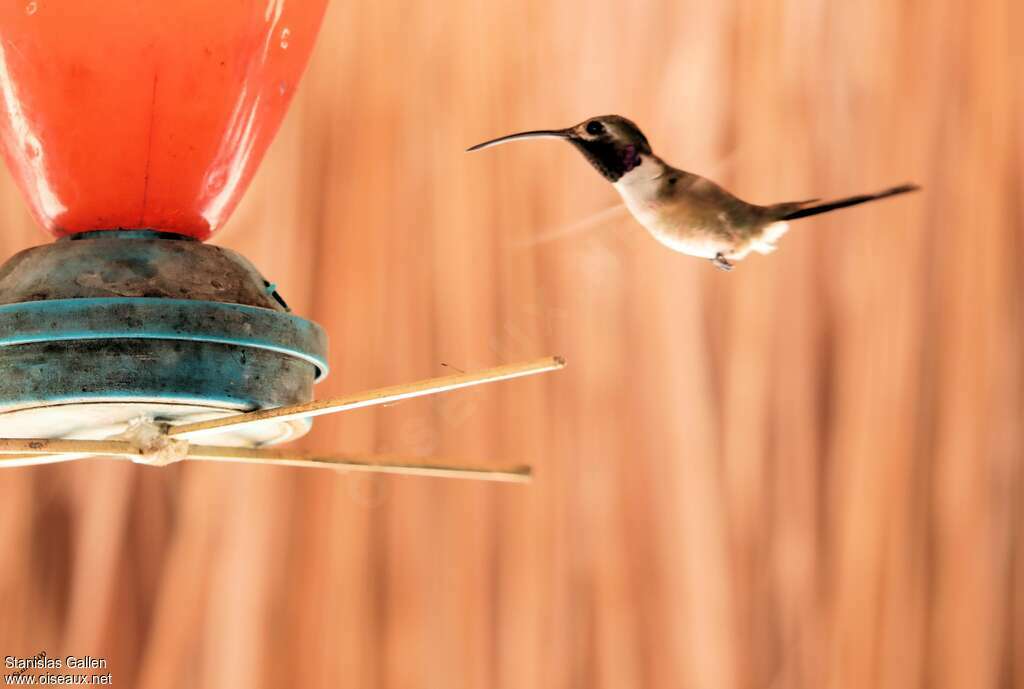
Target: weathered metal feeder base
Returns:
[101, 328]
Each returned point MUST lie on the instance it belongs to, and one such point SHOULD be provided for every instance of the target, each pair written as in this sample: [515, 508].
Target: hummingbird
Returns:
[684, 211]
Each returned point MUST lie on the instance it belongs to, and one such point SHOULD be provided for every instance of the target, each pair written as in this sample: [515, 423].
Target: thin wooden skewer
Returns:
[380, 464]
[394, 393]
[52, 450]
[14, 461]
[58, 446]
[25, 452]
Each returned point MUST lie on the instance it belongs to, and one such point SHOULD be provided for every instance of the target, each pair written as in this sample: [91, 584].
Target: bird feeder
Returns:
[132, 128]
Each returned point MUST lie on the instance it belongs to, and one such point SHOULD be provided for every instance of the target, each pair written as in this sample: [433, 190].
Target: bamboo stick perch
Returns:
[379, 464]
[54, 446]
[359, 400]
[24, 451]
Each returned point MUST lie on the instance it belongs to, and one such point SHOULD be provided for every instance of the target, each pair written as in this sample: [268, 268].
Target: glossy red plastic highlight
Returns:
[145, 113]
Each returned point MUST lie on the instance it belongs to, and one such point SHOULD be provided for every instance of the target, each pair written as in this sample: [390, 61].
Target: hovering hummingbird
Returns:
[684, 211]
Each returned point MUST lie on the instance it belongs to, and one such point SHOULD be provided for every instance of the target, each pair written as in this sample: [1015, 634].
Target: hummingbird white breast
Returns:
[694, 216]
[650, 197]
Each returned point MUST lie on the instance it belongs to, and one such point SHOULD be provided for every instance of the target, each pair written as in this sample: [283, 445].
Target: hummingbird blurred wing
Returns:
[592, 221]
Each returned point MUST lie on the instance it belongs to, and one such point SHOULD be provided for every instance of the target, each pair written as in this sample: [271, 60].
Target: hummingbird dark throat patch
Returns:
[610, 159]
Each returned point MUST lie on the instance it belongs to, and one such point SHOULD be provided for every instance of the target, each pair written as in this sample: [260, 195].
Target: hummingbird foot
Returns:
[719, 262]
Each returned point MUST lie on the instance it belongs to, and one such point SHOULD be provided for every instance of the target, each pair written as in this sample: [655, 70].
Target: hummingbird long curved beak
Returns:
[535, 134]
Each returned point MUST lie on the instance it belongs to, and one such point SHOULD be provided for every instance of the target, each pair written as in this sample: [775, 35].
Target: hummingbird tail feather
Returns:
[789, 211]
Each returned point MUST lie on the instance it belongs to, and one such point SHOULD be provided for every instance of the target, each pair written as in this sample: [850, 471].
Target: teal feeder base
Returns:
[103, 328]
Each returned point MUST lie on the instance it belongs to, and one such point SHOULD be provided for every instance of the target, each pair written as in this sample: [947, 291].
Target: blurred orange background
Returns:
[804, 473]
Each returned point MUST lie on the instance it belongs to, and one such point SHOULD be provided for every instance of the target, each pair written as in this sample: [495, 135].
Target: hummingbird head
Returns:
[612, 144]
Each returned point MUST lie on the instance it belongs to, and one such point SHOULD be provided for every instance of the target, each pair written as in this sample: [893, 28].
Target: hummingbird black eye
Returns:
[594, 128]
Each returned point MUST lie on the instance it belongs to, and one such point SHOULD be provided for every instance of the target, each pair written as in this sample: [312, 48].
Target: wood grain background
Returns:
[805, 473]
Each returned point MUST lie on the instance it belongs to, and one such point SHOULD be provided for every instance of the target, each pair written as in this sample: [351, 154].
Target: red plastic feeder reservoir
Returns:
[145, 114]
